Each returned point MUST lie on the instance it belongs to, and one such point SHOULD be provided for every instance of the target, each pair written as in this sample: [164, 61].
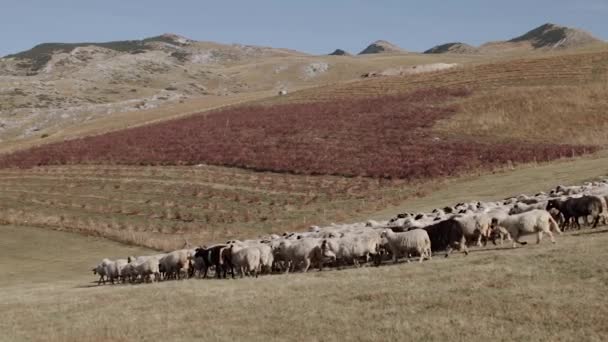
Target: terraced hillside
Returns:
[160, 207]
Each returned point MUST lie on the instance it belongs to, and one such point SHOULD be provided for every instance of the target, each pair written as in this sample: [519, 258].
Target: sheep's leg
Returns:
[306, 264]
[539, 236]
[462, 246]
[597, 220]
[448, 250]
[551, 236]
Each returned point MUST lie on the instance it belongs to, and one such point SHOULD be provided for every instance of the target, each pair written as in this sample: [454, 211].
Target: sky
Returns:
[312, 26]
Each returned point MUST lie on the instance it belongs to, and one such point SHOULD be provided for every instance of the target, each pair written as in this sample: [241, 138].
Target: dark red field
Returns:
[387, 136]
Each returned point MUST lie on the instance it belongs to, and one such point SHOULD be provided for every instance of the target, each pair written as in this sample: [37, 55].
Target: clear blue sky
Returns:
[313, 26]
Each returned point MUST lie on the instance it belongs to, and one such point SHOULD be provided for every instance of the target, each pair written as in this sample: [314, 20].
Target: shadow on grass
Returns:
[87, 286]
[591, 231]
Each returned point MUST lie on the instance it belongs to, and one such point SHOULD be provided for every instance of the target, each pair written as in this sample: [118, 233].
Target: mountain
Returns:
[339, 52]
[554, 36]
[545, 37]
[460, 48]
[381, 46]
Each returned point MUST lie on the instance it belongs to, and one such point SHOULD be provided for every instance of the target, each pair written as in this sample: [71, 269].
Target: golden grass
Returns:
[568, 68]
[555, 114]
[534, 293]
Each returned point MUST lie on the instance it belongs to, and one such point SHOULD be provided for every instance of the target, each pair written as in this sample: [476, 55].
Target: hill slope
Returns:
[54, 87]
[545, 37]
[453, 48]
[381, 46]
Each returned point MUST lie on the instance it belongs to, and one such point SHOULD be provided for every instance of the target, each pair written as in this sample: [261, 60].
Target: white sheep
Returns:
[405, 243]
[530, 222]
[245, 259]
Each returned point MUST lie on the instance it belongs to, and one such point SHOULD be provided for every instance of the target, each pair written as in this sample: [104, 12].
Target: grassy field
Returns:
[538, 292]
[160, 207]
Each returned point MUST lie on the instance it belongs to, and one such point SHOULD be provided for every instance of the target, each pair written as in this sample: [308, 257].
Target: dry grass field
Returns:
[537, 292]
[160, 207]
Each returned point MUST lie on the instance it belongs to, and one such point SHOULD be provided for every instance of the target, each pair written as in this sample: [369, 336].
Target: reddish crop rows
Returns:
[386, 136]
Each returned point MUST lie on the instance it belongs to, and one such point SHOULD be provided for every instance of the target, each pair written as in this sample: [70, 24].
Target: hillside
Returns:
[53, 89]
[381, 46]
[461, 48]
[545, 38]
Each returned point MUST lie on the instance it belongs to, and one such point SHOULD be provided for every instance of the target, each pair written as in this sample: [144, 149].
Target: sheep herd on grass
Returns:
[407, 235]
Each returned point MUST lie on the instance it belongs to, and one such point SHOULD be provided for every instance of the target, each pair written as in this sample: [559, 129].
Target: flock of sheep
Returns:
[403, 236]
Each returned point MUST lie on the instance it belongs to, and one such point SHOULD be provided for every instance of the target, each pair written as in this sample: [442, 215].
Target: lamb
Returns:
[416, 240]
[530, 222]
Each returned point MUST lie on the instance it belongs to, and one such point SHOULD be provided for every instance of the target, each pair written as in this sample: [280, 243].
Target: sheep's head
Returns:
[552, 204]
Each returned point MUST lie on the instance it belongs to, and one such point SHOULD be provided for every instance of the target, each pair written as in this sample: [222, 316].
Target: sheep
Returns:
[577, 207]
[416, 240]
[530, 222]
[475, 226]
[446, 235]
[350, 248]
[101, 271]
[522, 207]
[113, 269]
[175, 263]
[245, 259]
[146, 268]
[303, 251]
[266, 256]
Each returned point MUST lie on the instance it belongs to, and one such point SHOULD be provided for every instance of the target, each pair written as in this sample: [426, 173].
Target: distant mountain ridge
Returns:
[545, 37]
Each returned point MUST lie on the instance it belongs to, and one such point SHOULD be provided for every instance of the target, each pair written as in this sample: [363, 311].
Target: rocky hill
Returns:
[461, 48]
[556, 37]
[545, 37]
[381, 46]
[339, 52]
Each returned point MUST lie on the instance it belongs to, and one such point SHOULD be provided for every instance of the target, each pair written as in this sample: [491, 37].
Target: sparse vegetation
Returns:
[375, 137]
